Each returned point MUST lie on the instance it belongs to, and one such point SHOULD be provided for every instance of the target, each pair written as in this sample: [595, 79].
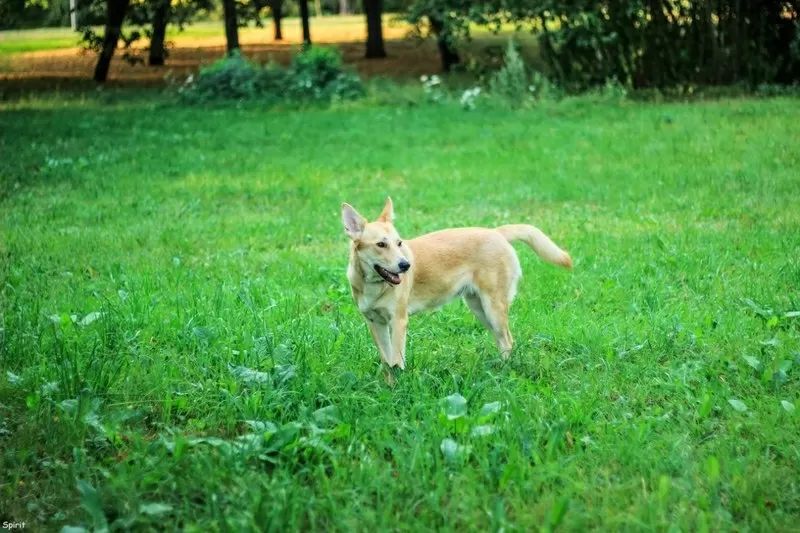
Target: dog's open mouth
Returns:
[390, 277]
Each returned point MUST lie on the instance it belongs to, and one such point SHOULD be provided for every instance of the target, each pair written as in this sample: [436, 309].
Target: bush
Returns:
[510, 83]
[513, 86]
[316, 74]
[234, 78]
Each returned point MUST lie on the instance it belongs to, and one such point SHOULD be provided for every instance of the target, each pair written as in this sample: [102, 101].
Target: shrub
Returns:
[510, 83]
[513, 86]
[315, 75]
[234, 78]
[318, 73]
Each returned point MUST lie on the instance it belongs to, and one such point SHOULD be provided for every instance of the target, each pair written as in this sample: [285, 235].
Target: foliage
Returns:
[19, 14]
[510, 83]
[316, 74]
[457, 17]
[657, 43]
[227, 380]
[234, 78]
[670, 42]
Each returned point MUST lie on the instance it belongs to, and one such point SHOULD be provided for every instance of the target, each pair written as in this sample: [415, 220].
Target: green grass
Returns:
[650, 389]
[18, 41]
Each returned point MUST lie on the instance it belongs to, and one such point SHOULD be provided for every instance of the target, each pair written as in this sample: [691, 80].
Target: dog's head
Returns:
[377, 245]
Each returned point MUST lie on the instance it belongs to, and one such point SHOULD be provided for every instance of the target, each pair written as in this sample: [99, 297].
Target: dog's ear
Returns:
[353, 221]
[387, 215]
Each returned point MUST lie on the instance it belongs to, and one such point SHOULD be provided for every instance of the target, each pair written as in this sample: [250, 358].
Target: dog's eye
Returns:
[381, 244]
[399, 244]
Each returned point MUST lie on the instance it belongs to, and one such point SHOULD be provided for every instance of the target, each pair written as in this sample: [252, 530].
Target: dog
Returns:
[392, 278]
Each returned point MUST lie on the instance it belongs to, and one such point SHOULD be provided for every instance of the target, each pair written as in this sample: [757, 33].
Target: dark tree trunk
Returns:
[304, 18]
[373, 9]
[116, 16]
[160, 19]
[277, 14]
[448, 54]
[231, 24]
[344, 7]
[658, 64]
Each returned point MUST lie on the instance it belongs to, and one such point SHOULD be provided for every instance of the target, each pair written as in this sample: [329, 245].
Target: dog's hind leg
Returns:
[497, 313]
[473, 301]
[494, 316]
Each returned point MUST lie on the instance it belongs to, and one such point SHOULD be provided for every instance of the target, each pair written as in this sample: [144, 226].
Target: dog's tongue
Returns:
[391, 277]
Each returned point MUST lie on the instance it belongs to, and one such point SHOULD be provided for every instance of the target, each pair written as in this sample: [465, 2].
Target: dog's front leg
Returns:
[382, 337]
[399, 326]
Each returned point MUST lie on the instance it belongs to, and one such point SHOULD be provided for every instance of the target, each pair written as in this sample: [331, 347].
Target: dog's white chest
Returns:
[373, 305]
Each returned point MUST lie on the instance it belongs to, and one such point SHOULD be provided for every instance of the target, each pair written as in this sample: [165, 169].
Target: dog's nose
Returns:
[404, 265]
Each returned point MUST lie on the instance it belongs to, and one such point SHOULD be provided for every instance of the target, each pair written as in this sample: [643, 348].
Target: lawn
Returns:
[180, 350]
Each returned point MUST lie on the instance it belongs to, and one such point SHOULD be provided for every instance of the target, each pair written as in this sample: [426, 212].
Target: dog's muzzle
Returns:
[389, 277]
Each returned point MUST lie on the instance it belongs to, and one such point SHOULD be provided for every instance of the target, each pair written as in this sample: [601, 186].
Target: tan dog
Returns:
[391, 278]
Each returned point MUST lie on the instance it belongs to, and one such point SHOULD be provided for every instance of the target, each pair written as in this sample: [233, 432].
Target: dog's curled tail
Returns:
[541, 243]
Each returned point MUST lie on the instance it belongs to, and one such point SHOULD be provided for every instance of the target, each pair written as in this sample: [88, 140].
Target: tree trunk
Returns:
[344, 7]
[318, 8]
[231, 25]
[73, 14]
[304, 18]
[373, 9]
[116, 16]
[448, 54]
[277, 14]
[160, 19]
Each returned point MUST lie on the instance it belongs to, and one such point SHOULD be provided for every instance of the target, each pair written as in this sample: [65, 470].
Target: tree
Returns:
[344, 7]
[115, 13]
[276, 7]
[159, 14]
[231, 25]
[373, 9]
[158, 52]
[306, 26]
[448, 21]
[444, 41]
[73, 15]
[651, 43]
[666, 43]
[140, 18]
[21, 14]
